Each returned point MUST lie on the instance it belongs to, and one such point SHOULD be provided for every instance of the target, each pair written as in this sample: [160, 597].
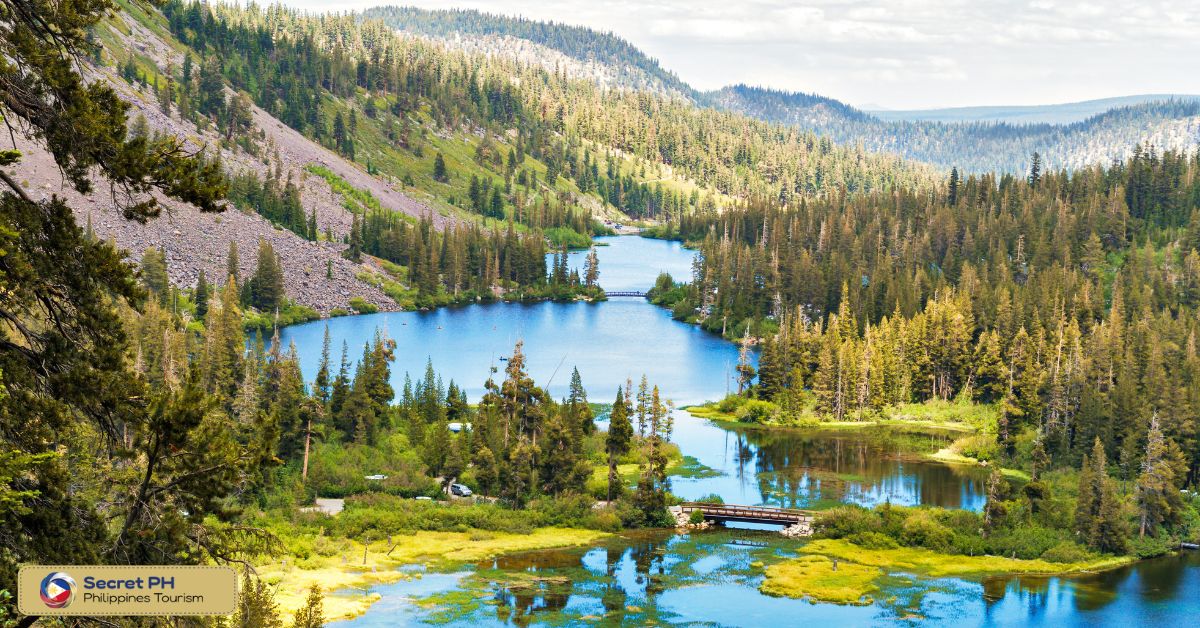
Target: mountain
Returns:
[579, 51]
[979, 146]
[975, 139]
[1065, 113]
[391, 171]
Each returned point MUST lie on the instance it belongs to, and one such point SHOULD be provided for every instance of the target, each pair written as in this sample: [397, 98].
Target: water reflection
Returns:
[804, 468]
[711, 579]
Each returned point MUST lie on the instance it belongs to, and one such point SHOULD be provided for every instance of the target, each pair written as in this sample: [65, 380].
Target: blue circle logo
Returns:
[58, 589]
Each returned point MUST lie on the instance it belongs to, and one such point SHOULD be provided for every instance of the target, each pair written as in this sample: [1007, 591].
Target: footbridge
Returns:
[750, 514]
[625, 293]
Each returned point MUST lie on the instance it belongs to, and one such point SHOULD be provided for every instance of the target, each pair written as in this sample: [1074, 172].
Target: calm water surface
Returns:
[706, 578]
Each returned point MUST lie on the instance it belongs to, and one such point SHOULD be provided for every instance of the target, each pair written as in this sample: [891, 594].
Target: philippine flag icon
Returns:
[58, 589]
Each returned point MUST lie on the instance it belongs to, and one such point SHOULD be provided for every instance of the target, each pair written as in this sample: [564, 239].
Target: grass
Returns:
[690, 467]
[817, 579]
[950, 455]
[345, 568]
[957, 416]
[936, 564]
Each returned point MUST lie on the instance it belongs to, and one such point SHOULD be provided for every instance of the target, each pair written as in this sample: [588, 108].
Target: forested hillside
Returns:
[1069, 301]
[1064, 113]
[1110, 133]
[399, 98]
[981, 146]
[602, 56]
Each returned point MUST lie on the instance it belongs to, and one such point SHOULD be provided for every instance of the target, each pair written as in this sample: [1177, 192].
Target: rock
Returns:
[683, 521]
[799, 529]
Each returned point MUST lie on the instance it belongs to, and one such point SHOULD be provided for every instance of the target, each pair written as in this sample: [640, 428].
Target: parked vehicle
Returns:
[460, 490]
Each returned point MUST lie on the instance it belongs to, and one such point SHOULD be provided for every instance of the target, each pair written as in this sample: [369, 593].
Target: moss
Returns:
[817, 579]
[349, 570]
[937, 564]
[690, 467]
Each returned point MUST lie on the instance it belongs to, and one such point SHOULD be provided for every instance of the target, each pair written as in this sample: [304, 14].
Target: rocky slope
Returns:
[191, 240]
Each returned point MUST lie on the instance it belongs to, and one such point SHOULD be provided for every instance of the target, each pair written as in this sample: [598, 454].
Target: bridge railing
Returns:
[760, 513]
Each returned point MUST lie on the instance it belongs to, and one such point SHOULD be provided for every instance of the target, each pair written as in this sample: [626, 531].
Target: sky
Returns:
[894, 54]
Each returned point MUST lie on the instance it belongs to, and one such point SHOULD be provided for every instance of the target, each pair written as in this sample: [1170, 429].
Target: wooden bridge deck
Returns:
[625, 293]
[749, 514]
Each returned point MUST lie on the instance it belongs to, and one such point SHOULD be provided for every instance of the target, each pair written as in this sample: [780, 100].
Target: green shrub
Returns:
[360, 305]
[757, 411]
[1026, 542]
[922, 529]
[1149, 546]
[845, 521]
[696, 518]
[980, 447]
[605, 520]
[873, 540]
[325, 546]
[730, 404]
[1066, 552]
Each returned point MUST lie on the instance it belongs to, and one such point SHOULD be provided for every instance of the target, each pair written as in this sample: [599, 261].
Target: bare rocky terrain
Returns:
[192, 240]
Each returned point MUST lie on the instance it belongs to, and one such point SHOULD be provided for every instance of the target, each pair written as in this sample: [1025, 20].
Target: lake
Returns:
[706, 578]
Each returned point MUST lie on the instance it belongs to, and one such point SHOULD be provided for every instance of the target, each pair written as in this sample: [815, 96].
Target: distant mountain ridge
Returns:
[635, 68]
[977, 139]
[979, 146]
[1063, 113]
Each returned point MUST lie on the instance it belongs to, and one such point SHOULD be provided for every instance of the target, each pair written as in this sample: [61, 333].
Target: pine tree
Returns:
[322, 386]
[154, 275]
[563, 468]
[1099, 520]
[591, 269]
[266, 285]
[437, 447]
[994, 511]
[232, 263]
[617, 442]
[991, 376]
[225, 345]
[312, 614]
[341, 384]
[577, 408]
[256, 605]
[952, 188]
[486, 473]
[201, 296]
[354, 252]
[1157, 491]
[653, 484]
[440, 173]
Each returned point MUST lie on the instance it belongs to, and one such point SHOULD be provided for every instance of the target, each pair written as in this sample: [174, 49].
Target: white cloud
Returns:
[928, 52]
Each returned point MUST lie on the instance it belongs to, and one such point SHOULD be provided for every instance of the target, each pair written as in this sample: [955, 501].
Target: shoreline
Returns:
[835, 571]
[346, 575]
[947, 455]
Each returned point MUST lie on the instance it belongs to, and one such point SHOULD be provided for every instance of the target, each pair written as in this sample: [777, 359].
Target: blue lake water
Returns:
[704, 579]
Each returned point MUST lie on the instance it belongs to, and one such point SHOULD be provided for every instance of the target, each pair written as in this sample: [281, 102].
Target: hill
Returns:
[582, 52]
[980, 146]
[1064, 113]
[355, 164]
[977, 139]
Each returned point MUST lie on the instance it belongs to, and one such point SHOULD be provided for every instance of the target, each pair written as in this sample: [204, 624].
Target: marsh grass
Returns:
[817, 579]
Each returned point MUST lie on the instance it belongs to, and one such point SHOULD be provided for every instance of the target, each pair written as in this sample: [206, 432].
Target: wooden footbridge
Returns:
[750, 514]
[625, 293]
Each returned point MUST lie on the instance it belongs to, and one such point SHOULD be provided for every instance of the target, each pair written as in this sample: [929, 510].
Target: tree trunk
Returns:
[307, 442]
